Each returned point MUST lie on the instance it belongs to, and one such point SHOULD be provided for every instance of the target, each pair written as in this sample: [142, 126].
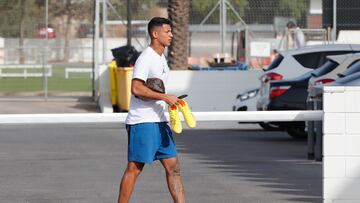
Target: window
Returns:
[315, 60]
[327, 67]
[309, 60]
[276, 62]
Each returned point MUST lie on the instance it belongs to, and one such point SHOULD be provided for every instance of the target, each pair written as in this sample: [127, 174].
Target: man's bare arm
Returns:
[139, 89]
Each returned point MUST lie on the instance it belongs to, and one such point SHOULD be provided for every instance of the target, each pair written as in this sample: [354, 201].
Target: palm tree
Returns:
[179, 15]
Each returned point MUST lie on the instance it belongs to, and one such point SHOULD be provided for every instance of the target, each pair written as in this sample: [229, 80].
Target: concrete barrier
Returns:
[341, 146]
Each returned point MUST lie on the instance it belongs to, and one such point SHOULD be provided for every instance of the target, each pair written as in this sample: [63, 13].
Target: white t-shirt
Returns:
[149, 65]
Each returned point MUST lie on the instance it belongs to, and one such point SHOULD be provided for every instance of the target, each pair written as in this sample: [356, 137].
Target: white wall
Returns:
[341, 147]
[206, 90]
[212, 90]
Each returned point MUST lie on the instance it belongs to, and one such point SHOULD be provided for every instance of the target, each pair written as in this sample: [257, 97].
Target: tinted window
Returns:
[355, 67]
[276, 62]
[325, 68]
[309, 60]
[315, 60]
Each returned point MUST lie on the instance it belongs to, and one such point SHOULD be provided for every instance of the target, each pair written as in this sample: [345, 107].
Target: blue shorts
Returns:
[149, 142]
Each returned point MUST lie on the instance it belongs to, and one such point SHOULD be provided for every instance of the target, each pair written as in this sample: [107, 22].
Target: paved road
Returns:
[84, 163]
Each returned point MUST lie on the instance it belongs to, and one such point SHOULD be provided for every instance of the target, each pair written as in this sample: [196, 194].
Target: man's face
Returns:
[163, 34]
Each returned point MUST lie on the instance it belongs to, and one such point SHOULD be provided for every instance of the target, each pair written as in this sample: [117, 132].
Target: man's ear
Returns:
[155, 34]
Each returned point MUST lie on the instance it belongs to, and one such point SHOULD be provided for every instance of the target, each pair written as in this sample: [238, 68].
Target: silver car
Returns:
[349, 77]
[293, 63]
[342, 63]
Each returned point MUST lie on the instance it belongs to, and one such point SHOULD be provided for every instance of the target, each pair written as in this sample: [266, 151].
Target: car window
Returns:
[328, 66]
[355, 67]
[276, 62]
[315, 60]
[308, 60]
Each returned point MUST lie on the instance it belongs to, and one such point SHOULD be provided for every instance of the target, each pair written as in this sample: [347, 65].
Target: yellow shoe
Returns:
[188, 116]
[175, 122]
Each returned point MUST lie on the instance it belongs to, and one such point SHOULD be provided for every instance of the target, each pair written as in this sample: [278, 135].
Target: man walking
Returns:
[150, 137]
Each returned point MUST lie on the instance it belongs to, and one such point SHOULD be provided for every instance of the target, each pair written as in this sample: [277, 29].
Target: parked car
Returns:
[292, 94]
[350, 80]
[86, 31]
[350, 74]
[347, 62]
[246, 101]
[293, 63]
[41, 32]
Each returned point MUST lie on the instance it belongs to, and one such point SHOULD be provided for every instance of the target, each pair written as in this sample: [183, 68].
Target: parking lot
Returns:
[84, 163]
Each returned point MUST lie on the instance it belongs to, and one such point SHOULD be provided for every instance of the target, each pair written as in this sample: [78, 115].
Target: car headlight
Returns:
[248, 95]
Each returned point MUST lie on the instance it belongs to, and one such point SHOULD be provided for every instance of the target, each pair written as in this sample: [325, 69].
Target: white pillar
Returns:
[96, 49]
[341, 147]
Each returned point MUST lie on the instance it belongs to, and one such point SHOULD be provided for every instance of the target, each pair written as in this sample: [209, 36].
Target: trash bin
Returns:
[125, 56]
[123, 80]
[113, 84]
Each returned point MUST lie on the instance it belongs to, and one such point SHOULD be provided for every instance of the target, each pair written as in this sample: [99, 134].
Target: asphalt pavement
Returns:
[75, 163]
[221, 162]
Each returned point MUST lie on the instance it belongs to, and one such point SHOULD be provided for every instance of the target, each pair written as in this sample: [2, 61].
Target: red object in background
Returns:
[41, 33]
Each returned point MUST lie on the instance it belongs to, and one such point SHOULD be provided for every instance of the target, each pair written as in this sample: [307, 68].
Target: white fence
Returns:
[200, 116]
[78, 70]
[27, 70]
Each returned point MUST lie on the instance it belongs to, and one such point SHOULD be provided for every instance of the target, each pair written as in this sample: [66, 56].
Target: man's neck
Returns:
[157, 48]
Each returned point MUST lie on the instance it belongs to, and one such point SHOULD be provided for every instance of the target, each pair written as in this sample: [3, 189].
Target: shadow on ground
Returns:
[271, 160]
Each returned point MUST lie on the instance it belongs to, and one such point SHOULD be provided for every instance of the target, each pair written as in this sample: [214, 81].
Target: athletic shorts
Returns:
[149, 142]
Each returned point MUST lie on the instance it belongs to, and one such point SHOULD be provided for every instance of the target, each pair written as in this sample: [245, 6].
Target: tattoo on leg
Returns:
[177, 185]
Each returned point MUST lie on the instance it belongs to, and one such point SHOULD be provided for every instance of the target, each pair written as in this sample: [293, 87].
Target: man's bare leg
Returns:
[127, 184]
[174, 180]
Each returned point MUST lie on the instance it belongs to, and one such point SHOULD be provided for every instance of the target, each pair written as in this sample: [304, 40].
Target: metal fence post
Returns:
[319, 134]
[247, 45]
[96, 50]
[311, 132]
[334, 21]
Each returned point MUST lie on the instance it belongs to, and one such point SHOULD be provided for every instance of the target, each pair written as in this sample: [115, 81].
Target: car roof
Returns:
[322, 47]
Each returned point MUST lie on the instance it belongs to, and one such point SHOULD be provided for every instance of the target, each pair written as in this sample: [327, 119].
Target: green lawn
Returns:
[57, 82]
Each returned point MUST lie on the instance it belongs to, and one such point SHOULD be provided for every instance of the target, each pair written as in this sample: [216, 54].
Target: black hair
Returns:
[157, 22]
[290, 24]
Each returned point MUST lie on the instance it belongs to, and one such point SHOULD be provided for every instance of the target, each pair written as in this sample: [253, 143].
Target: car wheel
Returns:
[297, 130]
[270, 126]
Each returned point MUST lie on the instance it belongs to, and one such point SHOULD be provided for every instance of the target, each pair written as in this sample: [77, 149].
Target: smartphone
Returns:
[182, 96]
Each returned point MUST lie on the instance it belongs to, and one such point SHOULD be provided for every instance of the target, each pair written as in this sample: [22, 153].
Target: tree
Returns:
[22, 29]
[70, 10]
[17, 20]
[178, 11]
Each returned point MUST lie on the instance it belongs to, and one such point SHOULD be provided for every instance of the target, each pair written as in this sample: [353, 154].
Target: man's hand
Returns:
[171, 99]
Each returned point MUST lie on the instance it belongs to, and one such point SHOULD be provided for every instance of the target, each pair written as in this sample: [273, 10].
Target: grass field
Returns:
[57, 82]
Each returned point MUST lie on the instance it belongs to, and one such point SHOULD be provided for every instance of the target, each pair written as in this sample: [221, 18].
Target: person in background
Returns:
[297, 35]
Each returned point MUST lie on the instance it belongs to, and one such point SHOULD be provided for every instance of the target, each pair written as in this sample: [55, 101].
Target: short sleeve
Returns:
[141, 68]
